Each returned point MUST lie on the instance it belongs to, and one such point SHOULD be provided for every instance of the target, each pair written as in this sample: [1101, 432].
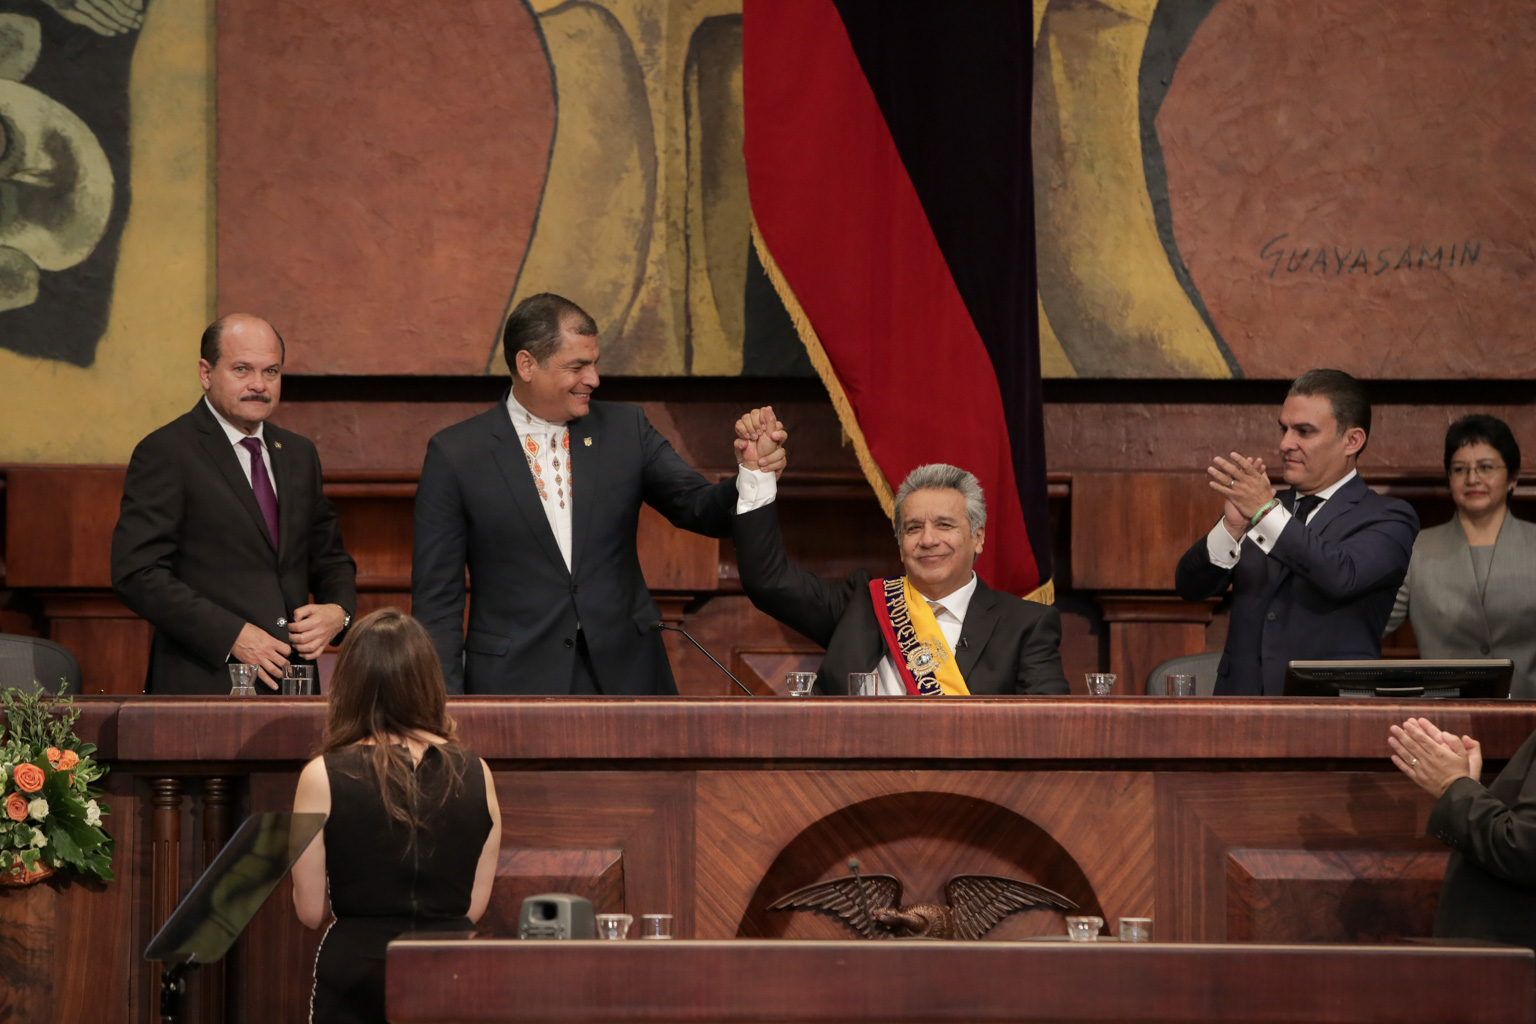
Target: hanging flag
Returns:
[888, 158]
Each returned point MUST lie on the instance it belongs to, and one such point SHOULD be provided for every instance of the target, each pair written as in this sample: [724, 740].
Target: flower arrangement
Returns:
[50, 817]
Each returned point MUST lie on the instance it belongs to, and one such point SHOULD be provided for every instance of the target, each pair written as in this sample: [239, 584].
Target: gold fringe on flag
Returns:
[845, 414]
[1043, 594]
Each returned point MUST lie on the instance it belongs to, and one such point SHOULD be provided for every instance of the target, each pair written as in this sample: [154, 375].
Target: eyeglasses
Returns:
[1484, 470]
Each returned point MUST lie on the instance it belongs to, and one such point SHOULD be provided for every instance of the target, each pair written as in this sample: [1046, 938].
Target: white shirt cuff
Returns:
[1222, 549]
[1267, 533]
[754, 489]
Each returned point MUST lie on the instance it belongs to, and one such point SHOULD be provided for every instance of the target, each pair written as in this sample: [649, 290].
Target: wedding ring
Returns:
[1413, 763]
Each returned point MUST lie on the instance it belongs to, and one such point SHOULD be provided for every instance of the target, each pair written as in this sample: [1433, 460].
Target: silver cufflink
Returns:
[281, 623]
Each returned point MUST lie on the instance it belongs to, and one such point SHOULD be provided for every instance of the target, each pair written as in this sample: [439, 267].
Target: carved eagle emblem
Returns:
[976, 904]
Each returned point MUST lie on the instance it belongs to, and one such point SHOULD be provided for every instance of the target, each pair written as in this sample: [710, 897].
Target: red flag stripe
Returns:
[842, 220]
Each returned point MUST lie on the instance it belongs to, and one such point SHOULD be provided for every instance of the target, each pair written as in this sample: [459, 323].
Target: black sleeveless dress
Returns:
[381, 885]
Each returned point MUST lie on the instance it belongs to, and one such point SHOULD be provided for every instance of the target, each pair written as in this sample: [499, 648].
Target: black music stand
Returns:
[226, 898]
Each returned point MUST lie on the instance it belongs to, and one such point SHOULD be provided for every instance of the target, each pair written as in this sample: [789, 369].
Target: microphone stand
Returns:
[658, 626]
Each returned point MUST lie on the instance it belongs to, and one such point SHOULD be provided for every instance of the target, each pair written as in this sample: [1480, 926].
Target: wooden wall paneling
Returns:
[1129, 529]
[1353, 841]
[59, 522]
[272, 966]
[746, 641]
[647, 816]
[1146, 631]
[377, 530]
[923, 827]
[110, 642]
[1313, 895]
[597, 874]
[674, 559]
[29, 936]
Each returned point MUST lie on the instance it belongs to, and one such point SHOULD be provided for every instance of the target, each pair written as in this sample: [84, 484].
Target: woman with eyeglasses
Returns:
[1471, 585]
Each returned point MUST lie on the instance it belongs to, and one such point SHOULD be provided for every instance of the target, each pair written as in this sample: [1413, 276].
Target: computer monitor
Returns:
[1464, 678]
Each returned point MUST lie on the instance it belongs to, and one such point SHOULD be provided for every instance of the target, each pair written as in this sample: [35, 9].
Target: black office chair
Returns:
[1202, 666]
[28, 659]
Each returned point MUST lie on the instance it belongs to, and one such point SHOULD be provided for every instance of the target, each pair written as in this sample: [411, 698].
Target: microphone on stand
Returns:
[658, 626]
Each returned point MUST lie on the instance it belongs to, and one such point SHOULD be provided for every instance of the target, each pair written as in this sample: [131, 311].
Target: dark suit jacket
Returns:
[192, 554]
[1324, 592]
[1490, 883]
[1012, 645]
[477, 506]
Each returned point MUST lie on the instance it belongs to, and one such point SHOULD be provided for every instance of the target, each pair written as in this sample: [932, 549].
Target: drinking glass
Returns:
[1101, 684]
[655, 926]
[863, 684]
[1085, 928]
[242, 680]
[614, 926]
[299, 680]
[799, 683]
[1179, 684]
[1135, 929]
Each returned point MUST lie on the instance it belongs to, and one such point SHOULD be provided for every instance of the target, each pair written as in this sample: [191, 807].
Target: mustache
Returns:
[264, 399]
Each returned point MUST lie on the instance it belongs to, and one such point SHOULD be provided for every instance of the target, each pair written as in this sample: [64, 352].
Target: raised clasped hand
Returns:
[760, 441]
[1245, 485]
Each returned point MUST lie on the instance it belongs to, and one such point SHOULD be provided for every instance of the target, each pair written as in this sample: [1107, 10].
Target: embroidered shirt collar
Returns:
[523, 420]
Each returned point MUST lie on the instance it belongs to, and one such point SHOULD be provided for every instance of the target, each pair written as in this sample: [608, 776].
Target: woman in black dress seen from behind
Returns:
[414, 827]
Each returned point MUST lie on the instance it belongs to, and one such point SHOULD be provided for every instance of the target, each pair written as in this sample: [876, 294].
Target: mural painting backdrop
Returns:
[1231, 188]
[390, 183]
[104, 205]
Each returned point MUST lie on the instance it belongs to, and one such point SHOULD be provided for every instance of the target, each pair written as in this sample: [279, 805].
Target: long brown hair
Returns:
[387, 686]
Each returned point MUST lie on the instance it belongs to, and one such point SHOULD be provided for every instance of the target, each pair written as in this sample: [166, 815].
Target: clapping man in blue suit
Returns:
[1313, 568]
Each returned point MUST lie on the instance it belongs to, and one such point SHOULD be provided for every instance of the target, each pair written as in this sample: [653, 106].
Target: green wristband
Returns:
[1260, 513]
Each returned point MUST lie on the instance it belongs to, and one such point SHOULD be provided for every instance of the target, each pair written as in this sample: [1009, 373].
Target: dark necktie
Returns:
[266, 497]
[1305, 504]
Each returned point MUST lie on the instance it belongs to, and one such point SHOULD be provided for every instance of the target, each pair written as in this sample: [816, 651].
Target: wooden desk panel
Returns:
[1280, 820]
[438, 981]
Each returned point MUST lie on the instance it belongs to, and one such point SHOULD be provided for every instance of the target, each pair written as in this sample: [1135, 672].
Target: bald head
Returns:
[214, 331]
[241, 369]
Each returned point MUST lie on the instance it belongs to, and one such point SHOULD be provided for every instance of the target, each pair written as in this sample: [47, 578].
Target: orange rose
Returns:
[67, 760]
[53, 757]
[16, 807]
[29, 777]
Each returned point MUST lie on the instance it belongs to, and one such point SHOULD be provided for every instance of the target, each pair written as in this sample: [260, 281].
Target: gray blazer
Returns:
[1452, 620]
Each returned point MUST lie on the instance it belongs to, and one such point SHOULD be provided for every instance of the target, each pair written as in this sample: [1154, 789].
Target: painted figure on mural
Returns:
[63, 170]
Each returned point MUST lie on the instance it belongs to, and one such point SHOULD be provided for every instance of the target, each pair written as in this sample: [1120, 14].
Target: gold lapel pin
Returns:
[277, 444]
[587, 441]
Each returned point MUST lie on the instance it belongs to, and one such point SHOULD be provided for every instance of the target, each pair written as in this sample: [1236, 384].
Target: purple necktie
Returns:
[266, 497]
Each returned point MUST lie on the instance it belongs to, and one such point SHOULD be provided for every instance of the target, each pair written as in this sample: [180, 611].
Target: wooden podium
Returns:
[1276, 822]
[438, 981]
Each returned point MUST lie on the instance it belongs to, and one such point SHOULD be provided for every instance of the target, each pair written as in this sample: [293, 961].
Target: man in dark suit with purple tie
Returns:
[225, 541]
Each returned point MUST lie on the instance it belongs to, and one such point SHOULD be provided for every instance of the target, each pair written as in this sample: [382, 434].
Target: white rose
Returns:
[92, 813]
[38, 809]
[38, 839]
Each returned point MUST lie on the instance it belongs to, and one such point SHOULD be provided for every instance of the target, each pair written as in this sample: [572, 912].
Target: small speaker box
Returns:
[556, 915]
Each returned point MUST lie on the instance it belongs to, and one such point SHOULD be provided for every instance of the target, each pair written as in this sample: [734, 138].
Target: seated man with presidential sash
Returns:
[936, 631]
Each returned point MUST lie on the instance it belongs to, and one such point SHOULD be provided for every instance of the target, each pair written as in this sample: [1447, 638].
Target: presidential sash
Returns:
[917, 647]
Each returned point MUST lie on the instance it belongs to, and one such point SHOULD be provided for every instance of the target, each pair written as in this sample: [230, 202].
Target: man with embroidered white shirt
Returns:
[1314, 569]
[937, 630]
[539, 499]
[224, 533]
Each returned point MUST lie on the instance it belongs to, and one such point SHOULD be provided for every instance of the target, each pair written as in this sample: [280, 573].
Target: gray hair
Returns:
[938, 476]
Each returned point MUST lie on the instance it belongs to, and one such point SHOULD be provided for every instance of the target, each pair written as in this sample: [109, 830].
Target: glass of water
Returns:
[863, 684]
[1101, 684]
[799, 683]
[299, 680]
[242, 680]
